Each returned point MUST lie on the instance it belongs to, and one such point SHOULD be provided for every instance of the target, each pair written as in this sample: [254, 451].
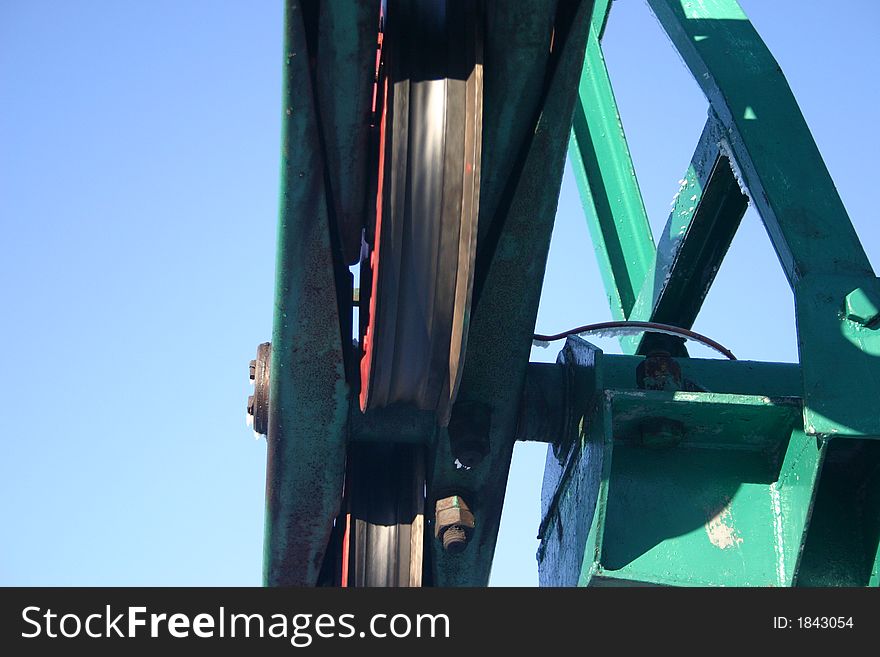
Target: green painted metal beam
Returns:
[516, 52]
[308, 390]
[730, 504]
[740, 377]
[601, 11]
[576, 474]
[607, 181]
[842, 540]
[785, 176]
[793, 496]
[345, 59]
[840, 356]
[768, 136]
[746, 498]
[507, 292]
[755, 485]
[692, 516]
[706, 213]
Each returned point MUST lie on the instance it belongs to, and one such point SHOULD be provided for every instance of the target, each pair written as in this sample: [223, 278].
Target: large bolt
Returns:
[860, 308]
[659, 371]
[453, 523]
[258, 403]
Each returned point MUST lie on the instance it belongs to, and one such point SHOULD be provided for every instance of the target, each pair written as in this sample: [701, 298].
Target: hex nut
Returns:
[453, 523]
[860, 308]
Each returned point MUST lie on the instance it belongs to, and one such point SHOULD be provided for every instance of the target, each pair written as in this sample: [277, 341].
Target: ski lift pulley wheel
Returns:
[429, 107]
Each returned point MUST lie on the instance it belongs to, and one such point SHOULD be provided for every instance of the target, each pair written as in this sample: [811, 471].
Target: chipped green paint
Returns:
[706, 212]
[504, 312]
[733, 501]
[308, 390]
[729, 505]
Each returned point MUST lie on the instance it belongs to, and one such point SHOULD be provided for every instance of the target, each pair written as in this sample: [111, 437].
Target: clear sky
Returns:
[139, 158]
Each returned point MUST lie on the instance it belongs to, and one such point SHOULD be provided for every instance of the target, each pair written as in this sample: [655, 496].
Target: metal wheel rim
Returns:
[427, 205]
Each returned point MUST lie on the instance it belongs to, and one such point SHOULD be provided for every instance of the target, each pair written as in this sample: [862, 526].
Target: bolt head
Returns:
[659, 371]
[859, 307]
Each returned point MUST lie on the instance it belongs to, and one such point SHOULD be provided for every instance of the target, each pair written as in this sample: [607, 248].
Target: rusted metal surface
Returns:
[453, 523]
[659, 371]
[308, 389]
[507, 291]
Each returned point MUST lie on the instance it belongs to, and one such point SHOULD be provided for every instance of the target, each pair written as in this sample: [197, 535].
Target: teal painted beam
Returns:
[576, 474]
[840, 357]
[308, 391]
[779, 162]
[346, 59]
[872, 520]
[706, 213]
[785, 176]
[729, 504]
[502, 323]
[740, 377]
[607, 183]
[793, 496]
[601, 10]
[516, 50]
[842, 540]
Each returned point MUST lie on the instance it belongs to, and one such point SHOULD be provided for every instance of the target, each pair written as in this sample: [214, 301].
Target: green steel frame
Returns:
[309, 389]
[741, 473]
[775, 476]
[529, 97]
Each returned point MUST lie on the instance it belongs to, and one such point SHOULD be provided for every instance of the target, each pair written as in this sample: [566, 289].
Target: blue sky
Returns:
[139, 158]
